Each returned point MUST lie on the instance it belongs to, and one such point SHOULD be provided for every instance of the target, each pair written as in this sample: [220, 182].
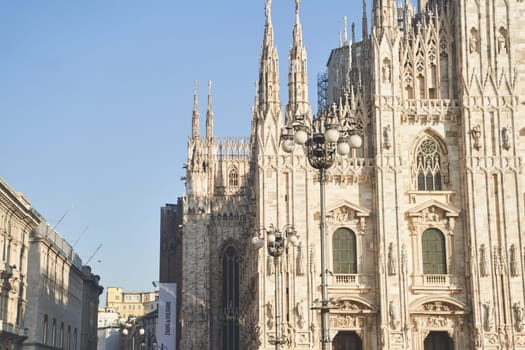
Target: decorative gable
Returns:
[348, 214]
[433, 213]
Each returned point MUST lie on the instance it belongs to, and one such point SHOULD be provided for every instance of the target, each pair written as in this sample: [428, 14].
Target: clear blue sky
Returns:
[96, 99]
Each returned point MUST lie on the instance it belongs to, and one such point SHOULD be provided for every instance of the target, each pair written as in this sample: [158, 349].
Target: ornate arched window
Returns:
[428, 162]
[230, 299]
[434, 252]
[344, 252]
[233, 177]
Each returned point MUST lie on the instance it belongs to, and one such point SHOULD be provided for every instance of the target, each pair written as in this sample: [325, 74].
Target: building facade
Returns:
[17, 220]
[424, 221]
[62, 295]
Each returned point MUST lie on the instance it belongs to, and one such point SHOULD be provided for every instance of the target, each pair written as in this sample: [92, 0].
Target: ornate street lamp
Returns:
[334, 132]
[276, 240]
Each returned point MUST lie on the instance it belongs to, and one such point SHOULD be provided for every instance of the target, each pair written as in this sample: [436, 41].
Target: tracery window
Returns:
[230, 300]
[233, 178]
[428, 166]
[434, 252]
[344, 252]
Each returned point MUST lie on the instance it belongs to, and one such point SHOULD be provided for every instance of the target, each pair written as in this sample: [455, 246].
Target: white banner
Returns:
[167, 319]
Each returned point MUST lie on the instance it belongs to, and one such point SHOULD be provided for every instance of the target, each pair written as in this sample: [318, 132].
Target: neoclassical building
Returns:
[424, 222]
[17, 220]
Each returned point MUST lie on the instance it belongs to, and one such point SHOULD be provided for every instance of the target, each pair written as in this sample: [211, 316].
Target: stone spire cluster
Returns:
[298, 75]
[268, 83]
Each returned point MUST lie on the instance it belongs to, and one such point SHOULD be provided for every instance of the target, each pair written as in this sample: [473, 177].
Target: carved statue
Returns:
[394, 315]
[267, 7]
[387, 137]
[477, 338]
[392, 263]
[514, 262]
[502, 42]
[483, 264]
[299, 310]
[488, 315]
[313, 329]
[519, 314]
[476, 135]
[505, 138]
[299, 269]
[387, 73]
[269, 314]
[473, 40]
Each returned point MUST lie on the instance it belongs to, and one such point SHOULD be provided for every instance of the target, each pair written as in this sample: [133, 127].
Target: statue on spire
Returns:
[267, 7]
[297, 4]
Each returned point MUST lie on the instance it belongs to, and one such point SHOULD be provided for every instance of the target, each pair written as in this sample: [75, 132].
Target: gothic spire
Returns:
[268, 89]
[364, 23]
[297, 75]
[209, 115]
[345, 19]
[195, 114]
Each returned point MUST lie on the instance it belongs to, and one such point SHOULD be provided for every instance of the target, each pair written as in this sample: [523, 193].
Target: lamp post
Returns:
[125, 332]
[276, 240]
[331, 133]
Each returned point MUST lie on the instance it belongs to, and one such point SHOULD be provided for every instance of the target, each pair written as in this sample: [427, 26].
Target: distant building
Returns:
[16, 222]
[131, 304]
[109, 329]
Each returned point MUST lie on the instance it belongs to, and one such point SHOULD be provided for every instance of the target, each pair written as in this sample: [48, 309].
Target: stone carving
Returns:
[267, 7]
[488, 315]
[404, 259]
[505, 138]
[299, 263]
[392, 263]
[483, 263]
[384, 336]
[519, 340]
[299, 311]
[476, 338]
[313, 330]
[344, 321]
[519, 315]
[269, 315]
[502, 41]
[437, 321]
[394, 315]
[514, 261]
[347, 305]
[436, 306]
[473, 41]
[476, 136]
[287, 334]
[344, 214]
[387, 137]
[387, 71]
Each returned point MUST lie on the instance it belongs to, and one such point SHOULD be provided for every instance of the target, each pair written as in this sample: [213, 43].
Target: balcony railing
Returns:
[437, 282]
[345, 279]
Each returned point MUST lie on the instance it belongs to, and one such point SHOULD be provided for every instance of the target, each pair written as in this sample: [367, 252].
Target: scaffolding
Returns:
[322, 91]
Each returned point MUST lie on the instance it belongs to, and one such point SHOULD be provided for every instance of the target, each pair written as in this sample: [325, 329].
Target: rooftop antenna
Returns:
[95, 252]
[79, 237]
[62, 218]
